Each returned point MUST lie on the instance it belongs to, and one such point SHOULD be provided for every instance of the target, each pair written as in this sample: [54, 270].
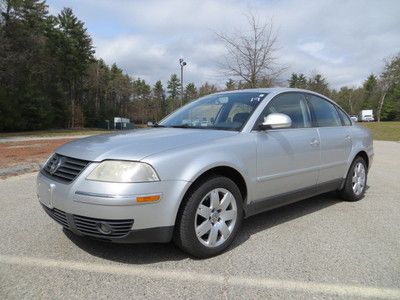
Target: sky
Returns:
[345, 41]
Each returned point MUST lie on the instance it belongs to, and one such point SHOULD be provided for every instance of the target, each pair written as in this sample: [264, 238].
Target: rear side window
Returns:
[325, 112]
[292, 104]
[344, 117]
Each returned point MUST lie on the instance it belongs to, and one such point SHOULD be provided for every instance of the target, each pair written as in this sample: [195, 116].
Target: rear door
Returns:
[334, 137]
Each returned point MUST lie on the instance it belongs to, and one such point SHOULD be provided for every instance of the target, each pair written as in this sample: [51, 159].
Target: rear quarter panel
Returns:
[361, 141]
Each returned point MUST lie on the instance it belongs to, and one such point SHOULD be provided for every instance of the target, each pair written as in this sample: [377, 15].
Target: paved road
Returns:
[319, 248]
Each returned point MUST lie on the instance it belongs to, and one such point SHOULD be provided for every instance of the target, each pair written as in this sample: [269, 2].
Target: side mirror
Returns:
[275, 121]
[150, 124]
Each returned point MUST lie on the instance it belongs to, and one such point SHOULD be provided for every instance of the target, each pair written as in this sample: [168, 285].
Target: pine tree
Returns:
[230, 85]
[75, 51]
[159, 98]
[293, 80]
[173, 88]
[190, 92]
[23, 60]
[302, 81]
[298, 81]
[371, 91]
[318, 84]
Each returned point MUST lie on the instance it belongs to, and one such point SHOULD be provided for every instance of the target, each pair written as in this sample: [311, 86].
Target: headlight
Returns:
[123, 171]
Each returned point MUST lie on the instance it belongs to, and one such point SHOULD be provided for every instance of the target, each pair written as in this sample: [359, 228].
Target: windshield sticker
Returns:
[255, 99]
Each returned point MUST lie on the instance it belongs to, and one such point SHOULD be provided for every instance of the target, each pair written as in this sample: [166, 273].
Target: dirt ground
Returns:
[27, 152]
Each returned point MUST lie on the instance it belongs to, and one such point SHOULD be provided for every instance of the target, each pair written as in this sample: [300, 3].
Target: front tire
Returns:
[210, 217]
[356, 181]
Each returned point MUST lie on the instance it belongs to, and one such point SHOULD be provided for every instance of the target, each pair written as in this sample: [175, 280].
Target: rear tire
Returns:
[356, 181]
[209, 217]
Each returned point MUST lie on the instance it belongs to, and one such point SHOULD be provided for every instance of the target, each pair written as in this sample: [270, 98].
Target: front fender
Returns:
[202, 164]
[238, 152]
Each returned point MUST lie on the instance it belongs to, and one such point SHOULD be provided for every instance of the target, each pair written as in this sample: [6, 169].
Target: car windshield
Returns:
[228, 111]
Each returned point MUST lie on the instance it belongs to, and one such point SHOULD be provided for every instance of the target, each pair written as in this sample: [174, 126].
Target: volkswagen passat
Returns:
[193, 177]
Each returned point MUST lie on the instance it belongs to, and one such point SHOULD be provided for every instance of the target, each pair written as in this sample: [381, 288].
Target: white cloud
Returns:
[312, 48]
[315, 50]
[346, 41]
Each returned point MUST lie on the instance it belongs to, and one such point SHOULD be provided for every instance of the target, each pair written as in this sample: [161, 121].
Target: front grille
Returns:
[90, 226]
[64, 168]
[58, 215]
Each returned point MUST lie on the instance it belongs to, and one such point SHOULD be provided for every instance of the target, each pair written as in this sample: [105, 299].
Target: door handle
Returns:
[347, 138]
[314, 142]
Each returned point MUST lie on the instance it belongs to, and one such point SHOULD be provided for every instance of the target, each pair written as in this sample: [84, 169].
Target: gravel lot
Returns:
[318, 248]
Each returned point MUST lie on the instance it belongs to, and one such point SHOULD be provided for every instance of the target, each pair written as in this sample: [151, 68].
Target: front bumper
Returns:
[113, 202]
[121, 233]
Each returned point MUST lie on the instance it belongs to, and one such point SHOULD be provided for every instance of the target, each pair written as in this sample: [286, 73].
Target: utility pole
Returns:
[182, 63]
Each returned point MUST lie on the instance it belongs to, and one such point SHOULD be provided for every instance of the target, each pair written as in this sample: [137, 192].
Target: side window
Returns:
[292, 104]
[344, 117]
[325, 112]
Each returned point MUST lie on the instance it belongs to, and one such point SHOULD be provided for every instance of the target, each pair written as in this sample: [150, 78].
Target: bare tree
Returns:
[384, 87]
[251, 55]
[389, 78]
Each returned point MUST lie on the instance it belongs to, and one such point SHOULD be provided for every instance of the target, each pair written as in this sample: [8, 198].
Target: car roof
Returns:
[271, 90]
[278, 90]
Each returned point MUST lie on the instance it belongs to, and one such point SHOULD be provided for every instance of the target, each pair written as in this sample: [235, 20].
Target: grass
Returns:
[384, 131]
[54, 132]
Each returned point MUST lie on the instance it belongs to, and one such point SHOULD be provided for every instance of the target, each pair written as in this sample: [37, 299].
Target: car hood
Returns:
[137, 144]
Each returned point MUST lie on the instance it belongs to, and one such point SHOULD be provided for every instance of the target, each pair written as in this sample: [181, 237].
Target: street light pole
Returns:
[182, 63]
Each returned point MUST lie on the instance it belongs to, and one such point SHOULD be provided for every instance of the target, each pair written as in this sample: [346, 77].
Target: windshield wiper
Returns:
[181, 126]
[157, 125]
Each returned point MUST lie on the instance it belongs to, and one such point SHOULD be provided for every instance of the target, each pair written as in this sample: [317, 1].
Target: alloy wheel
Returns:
[358, 179]
[215, 217]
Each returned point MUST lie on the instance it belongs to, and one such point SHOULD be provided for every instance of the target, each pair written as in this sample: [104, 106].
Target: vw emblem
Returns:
[56, 165]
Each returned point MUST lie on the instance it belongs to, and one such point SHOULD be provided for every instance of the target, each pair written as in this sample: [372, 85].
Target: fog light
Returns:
[104, 228]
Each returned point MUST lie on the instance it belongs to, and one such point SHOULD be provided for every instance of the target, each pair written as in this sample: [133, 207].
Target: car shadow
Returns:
[153, 253]
[275, 217]
[137, 254]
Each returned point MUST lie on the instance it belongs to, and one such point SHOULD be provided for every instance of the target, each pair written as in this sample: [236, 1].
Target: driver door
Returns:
[287, 159]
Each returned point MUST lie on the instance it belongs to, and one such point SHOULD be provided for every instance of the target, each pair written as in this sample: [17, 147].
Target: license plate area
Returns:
[45, 193]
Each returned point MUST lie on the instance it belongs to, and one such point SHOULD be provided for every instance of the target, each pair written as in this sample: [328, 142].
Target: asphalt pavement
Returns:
[319, 248]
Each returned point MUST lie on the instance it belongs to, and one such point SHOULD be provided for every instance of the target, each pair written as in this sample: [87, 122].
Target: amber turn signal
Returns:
[145, 199]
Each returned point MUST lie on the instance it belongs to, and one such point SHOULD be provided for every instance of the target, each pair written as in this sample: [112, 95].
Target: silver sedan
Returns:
[193, 177]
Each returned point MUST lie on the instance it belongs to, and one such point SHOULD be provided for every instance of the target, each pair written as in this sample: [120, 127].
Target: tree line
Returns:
[378, 92]
[50, 77]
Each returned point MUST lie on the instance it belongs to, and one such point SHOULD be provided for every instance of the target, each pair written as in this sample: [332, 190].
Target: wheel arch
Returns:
[222, 170]
[363, 155]
[228, 172]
